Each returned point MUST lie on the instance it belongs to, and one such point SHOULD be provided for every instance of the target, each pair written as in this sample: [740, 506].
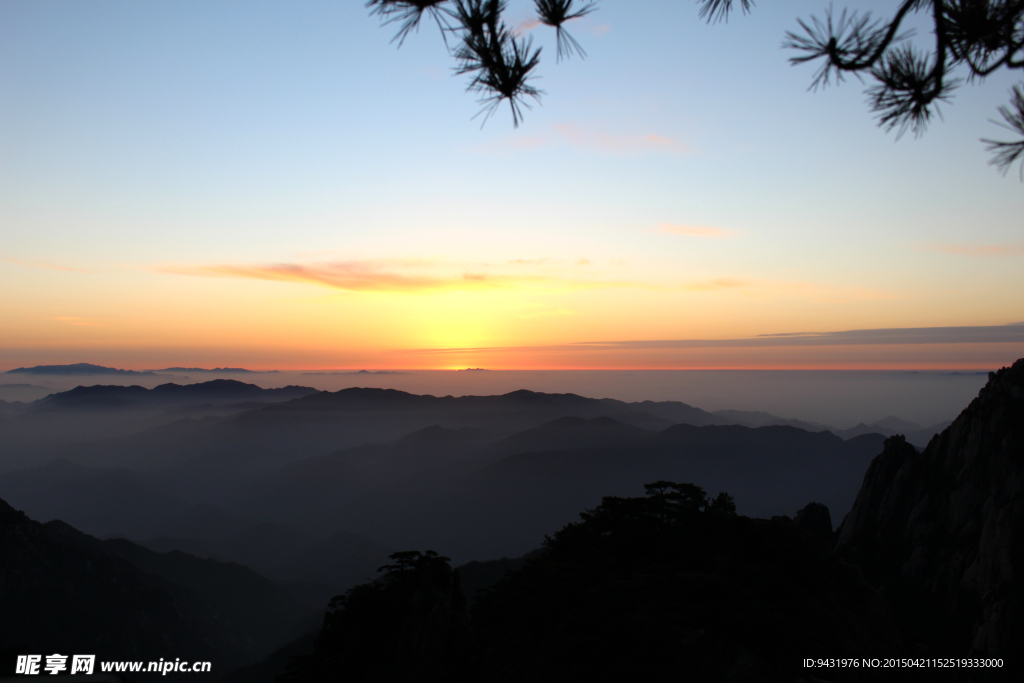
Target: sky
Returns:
[276, 185]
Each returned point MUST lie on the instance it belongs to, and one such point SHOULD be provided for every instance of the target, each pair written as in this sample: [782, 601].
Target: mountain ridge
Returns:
[66, 591]
[940, 531]
[170, 394]
[77, 369]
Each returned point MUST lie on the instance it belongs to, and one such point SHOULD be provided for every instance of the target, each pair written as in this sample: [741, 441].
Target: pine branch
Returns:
[1004, 154]
[555, 13]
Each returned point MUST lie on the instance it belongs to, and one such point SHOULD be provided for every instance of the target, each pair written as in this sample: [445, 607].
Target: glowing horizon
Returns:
[333, 205]
[965, 348]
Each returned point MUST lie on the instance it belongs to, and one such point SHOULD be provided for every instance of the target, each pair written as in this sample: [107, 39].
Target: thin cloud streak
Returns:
[350, 276]
[990, 334]
[370, 276]
[418, 275]
[526, 26]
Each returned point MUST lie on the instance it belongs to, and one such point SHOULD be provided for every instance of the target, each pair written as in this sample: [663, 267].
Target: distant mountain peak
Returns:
[170, 394]
[76, 369]
[896, 424]
[527, 395]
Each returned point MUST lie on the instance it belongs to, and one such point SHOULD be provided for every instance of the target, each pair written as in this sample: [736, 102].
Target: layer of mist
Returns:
[839, 398]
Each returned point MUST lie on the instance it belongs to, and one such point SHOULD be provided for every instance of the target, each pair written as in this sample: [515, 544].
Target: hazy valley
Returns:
[244, 510]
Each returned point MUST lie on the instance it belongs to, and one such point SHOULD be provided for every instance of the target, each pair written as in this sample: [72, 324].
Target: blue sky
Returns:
[196, 177]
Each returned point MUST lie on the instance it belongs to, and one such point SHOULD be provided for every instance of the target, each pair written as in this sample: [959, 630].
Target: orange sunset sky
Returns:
[275, 185]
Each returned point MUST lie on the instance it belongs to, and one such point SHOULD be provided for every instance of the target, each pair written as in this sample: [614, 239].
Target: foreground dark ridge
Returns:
[938, 533]
[953, 593]
[640, 589]
[941, 532]
[65, 591]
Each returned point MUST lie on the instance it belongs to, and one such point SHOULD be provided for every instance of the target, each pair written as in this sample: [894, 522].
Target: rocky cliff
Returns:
[941, 532]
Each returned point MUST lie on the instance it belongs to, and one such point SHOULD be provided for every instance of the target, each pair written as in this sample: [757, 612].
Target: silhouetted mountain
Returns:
[860, 429]
[476, 577]
[443, 474]
[572, 432]
[65, 591]
[263, 465]
[77, 369]
[218, 451]
[266, 436]
[922, 437]
[324, 493]
[21, 394]
[758, 418]
[216, 391]
[815, 519]
[196, 547]
[410, 625]
[940, 531]
[62, 595]
[279, 552]
[204, 521]
[434, 446]
[937, 532]
[476, 507]
[326, 566]
[242, 611]
[276, 663]
[226, 440]
[501, 508]
[265, 546]
[668, 587]
[915, 434]
[673, 412]
[340, 561]
[747, 418]
[897, 425]
[648, 588]
[507, 411]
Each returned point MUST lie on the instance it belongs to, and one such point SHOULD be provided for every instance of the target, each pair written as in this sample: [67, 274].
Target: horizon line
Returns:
[718, 368]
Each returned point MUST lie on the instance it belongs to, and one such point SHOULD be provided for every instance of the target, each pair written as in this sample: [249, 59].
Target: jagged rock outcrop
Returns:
[814, 518]
[941, 532]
